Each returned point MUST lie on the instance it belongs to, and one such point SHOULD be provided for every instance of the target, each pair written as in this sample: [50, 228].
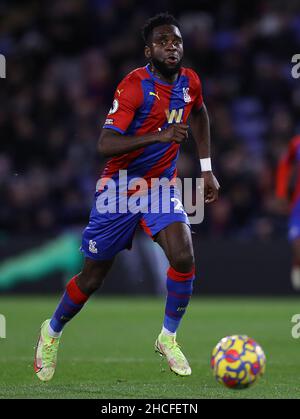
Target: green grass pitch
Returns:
[107, 350]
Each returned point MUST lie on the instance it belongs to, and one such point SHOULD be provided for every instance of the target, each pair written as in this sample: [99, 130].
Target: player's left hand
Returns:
[211, 187]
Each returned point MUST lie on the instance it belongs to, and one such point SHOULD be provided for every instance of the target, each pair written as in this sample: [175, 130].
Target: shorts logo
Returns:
[92, 246]
[114, 107]
[109, 121]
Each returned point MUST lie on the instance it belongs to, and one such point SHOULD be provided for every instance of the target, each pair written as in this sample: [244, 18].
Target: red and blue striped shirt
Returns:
[145, 104]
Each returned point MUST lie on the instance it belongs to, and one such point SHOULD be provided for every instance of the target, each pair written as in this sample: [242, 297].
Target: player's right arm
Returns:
[128, 99]
[114, 144]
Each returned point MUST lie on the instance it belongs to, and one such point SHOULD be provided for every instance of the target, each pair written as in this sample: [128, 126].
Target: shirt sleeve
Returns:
[127, 99]
[197, 87]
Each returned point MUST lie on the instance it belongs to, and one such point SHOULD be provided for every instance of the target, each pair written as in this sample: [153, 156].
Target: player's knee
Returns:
[94, 283]
[93, 274]
[90, 283]
[183, 261]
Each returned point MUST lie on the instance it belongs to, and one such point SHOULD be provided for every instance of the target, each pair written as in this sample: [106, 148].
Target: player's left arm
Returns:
[199, 122]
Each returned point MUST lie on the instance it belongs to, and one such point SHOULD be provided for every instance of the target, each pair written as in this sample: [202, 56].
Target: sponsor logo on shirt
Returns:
[174, 116]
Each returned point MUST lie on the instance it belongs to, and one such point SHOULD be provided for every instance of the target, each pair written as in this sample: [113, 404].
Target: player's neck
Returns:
[170, 79]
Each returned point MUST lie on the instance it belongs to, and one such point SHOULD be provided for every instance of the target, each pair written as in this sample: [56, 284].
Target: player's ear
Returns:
[147, 52]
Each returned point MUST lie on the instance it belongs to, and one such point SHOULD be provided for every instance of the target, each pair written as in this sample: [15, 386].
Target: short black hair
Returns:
[158, 20]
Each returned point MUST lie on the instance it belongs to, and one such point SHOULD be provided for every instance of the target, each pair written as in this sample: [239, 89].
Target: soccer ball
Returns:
[238, 361]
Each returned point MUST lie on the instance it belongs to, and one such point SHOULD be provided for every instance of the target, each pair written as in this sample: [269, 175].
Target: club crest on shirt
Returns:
[114, 108]
[186, 95]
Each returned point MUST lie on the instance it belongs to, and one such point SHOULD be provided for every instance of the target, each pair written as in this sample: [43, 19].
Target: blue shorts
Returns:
[109, 232]
[294, 222]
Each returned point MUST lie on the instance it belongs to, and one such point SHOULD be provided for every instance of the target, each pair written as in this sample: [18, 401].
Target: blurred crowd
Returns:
[64, 61]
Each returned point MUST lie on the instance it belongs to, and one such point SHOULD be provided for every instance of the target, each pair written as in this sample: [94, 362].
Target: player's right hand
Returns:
[175, 132]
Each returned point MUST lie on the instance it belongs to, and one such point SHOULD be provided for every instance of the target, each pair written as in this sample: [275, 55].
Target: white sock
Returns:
[54, 334]
[167, 332]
